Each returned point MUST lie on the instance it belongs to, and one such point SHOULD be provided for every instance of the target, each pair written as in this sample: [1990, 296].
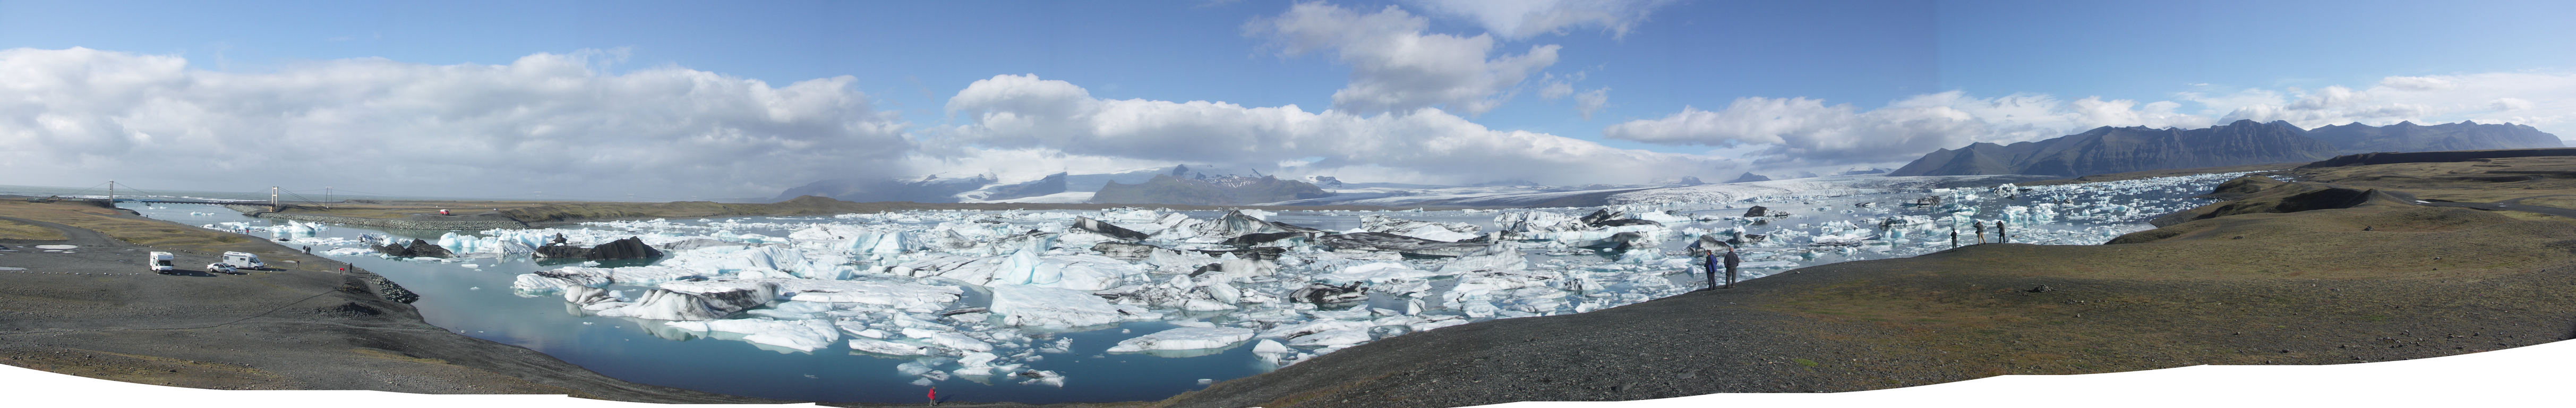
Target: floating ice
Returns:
[803, 335]
[1038, 306]
[910, 283]
[1185, 338]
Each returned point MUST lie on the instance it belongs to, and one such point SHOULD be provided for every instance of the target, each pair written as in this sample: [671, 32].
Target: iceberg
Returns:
[887, 347]
[1185, 338]
[947, 339]
[1378, 272]
[1037, 306]
[802, 335]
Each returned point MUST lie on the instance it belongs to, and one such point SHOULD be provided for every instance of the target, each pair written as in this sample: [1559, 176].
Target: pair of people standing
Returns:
[1717, 252]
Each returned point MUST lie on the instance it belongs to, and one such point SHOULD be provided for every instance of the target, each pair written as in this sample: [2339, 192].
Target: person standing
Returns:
[1954, 235]
[1731, 260]
[2000, 237]
[1981, 231]
[934, 395]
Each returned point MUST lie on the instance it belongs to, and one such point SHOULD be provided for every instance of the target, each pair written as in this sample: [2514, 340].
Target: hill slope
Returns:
[2107, 150]
[2411, 137]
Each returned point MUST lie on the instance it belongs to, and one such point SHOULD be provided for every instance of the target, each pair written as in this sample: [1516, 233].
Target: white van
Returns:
[244, 260]
[160, 262]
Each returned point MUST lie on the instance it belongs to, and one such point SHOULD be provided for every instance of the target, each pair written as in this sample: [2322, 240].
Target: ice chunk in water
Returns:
[1377, 272]
[947, 339]
[1270, 350]
[898, 295]
[1185, 338]
[1329, 338]
[887, 347]
[803, 335]
[1021, 305]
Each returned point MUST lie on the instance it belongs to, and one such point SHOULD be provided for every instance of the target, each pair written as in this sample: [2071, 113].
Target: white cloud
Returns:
[2530, 98]
[1556, 89]
[1427, 145]
[545, 122]
[2422, 83]
[1395, 66]
[1518, 19]
[1806, 132]
[2509, 104]
[1591, 101]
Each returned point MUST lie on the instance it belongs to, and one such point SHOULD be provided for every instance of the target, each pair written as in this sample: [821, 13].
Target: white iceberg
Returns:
[1037, 306]
[1185, 338]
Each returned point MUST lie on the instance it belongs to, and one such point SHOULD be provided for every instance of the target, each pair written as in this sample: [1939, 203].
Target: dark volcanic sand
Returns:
[98, 312]
[2278, 288]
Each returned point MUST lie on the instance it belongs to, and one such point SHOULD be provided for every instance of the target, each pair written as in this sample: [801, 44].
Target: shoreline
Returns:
[303, 324]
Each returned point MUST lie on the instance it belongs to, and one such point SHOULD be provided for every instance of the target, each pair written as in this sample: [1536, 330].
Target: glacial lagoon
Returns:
[474, 295]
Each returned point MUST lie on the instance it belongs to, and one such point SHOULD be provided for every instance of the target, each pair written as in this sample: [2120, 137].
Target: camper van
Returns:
[160, 262]
[244, 260]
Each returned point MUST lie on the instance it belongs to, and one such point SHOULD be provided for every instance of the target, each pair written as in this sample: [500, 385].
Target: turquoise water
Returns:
[477, 302]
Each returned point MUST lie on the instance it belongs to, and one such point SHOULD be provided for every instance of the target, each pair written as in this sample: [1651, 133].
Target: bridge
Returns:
[278, 199]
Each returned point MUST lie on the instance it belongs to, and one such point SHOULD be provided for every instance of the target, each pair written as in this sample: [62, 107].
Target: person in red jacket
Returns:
[934, 395]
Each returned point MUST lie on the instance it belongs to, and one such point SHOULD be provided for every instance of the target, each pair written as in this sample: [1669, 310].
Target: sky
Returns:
[682, 100]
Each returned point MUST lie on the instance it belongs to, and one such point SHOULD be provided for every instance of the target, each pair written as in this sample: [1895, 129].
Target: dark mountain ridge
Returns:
[2107, 150]
[2410, 137]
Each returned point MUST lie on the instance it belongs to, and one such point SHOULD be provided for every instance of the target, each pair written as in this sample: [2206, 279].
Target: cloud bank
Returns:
[1802, 132]
[546, 122]
[1425, 145]
[1520, 19]
[1395, 66]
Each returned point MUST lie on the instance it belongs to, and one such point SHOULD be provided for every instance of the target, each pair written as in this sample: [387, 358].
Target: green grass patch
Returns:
[1805, 362]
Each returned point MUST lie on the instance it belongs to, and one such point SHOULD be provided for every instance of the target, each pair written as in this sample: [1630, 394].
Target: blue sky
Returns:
[1704, 88]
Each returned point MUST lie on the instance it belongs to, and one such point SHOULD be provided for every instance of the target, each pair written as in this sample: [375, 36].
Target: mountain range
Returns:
[2107, 149]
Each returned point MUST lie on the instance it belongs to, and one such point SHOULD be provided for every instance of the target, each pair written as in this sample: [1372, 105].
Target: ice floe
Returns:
[984, 295]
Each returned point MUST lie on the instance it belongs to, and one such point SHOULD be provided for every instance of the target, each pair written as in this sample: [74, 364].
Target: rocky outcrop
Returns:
[2411, 137]
[1380, 241]
[1750, 177]
[417, 248]
[629, 248]
[1103, 228]
[1758, 211]
[2108, 150]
